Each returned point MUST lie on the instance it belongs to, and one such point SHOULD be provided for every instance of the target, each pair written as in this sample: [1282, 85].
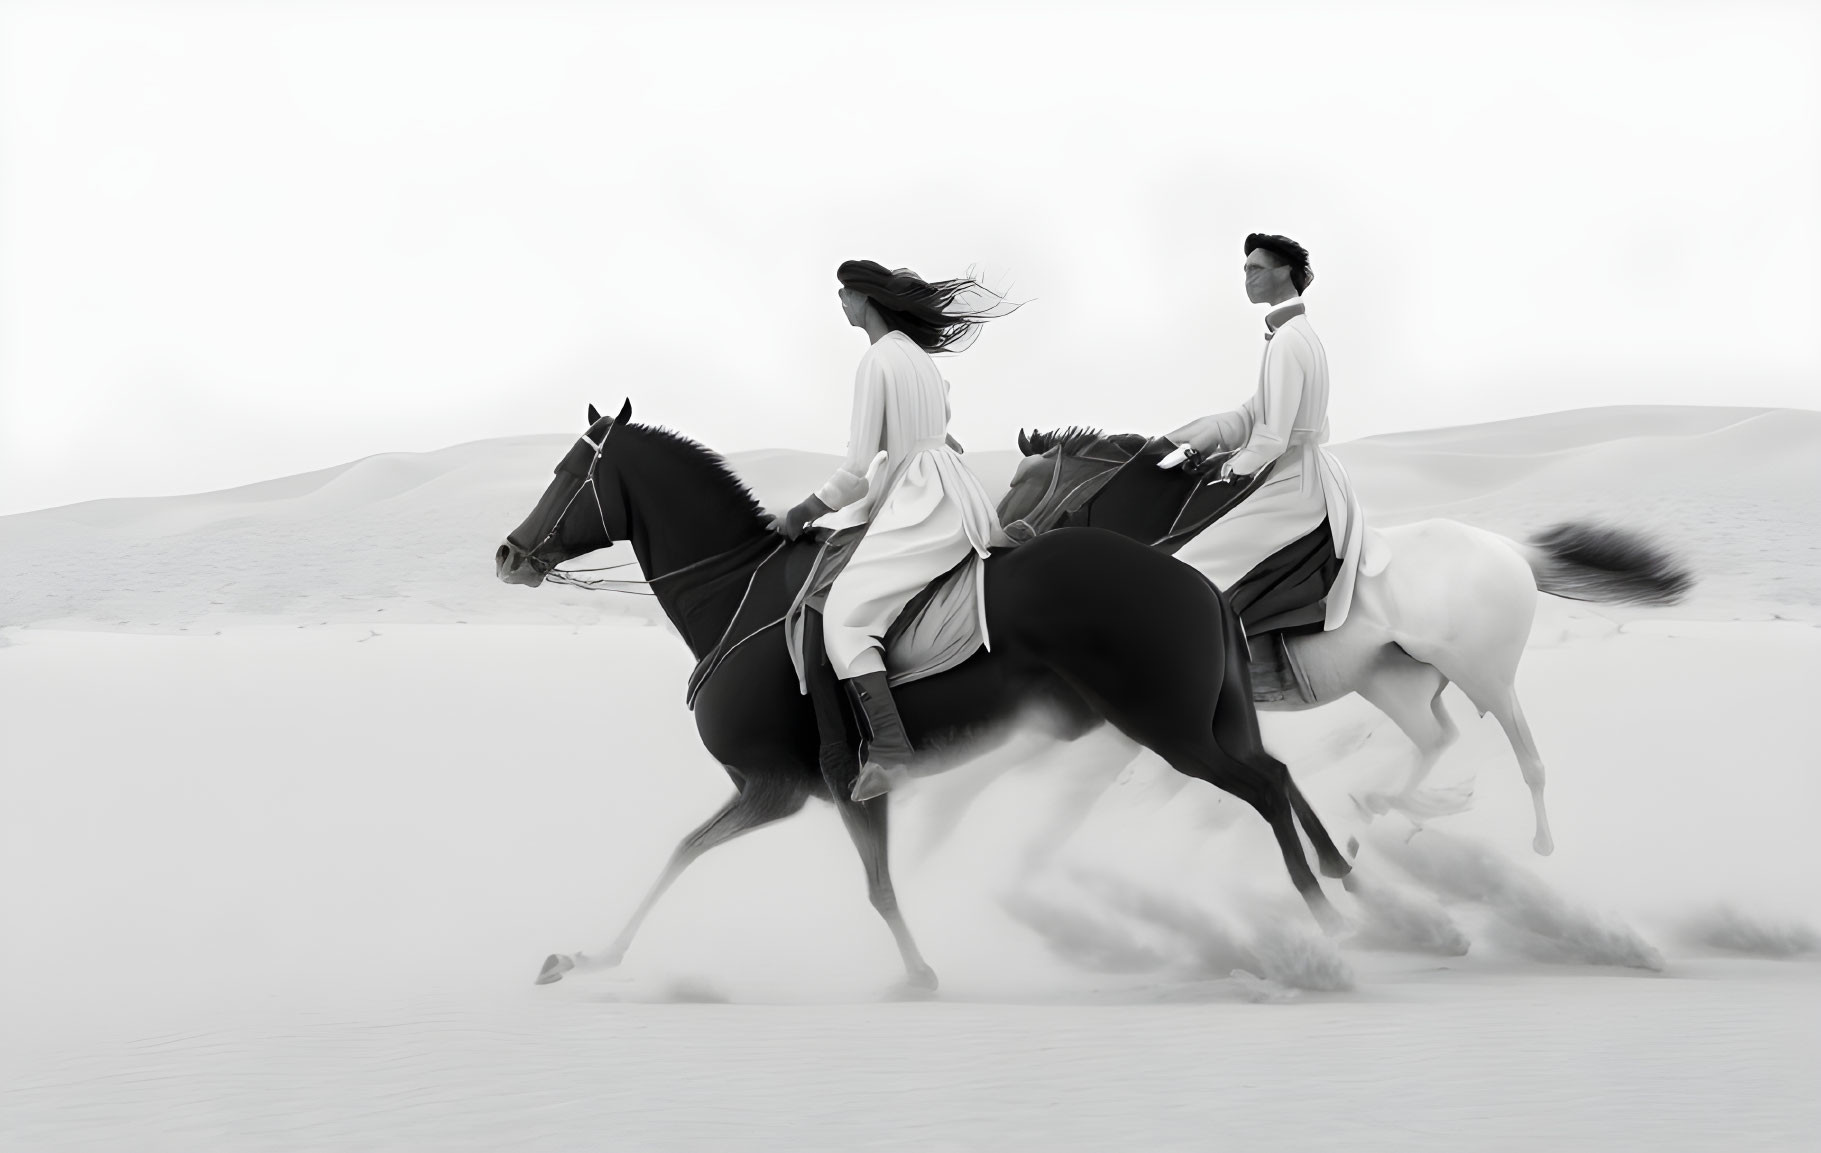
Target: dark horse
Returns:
[1087, 628]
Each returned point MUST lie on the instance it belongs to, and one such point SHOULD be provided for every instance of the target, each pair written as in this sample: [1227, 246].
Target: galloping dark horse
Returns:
[1087, 628]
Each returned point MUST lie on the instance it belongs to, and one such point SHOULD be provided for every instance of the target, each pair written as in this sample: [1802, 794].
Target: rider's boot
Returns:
[888, 747]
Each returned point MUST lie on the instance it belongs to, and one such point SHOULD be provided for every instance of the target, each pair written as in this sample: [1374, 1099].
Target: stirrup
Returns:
[874, 781]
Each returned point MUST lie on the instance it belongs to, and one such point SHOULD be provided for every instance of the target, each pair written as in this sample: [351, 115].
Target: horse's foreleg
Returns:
[865, 820]
[866, 824]
[758, 803]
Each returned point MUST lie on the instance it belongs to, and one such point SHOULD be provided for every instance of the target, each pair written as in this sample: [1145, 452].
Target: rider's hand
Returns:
[792, 523]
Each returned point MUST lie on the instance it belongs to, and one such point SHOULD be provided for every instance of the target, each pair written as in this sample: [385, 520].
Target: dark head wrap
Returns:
[1288, 251]
[941, 317]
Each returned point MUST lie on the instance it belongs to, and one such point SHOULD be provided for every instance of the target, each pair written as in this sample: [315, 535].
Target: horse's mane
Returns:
[1076, 437]
[706, 456]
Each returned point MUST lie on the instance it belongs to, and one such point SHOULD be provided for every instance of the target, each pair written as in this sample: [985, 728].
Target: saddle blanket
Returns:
[941, 627]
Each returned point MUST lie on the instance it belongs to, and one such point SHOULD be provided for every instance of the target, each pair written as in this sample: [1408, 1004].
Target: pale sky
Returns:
[239, 241]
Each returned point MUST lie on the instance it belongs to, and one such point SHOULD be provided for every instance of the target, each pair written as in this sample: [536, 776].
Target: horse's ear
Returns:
[625, 412]
[1024, 443]
[594, 417]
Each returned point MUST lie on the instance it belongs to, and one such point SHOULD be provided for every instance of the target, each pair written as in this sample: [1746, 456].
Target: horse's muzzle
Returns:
[515, 566]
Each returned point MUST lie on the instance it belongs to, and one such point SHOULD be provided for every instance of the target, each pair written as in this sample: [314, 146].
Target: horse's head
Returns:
[1059, 471]
[581, 511]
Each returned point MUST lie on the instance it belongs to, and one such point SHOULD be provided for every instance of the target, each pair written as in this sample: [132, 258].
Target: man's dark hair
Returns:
[1288, 251]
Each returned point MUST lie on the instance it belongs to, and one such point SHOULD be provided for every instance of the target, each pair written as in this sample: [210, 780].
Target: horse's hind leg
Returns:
[1277, 805]
[1153, 661]
[1332, 863]
[761, 801]
[1470, 616]
[1510, 715]
[1172, 712]
[1260, 779]
[1409, 691]
[1236, 732]
[1497, 694]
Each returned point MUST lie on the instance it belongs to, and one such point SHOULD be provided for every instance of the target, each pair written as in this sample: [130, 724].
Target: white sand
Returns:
[284, 840]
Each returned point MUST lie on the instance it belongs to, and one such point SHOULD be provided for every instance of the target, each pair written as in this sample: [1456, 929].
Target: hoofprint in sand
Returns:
[297, 797]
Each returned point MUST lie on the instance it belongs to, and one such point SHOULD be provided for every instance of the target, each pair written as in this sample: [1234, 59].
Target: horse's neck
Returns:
[1138, 500]
[697, 535]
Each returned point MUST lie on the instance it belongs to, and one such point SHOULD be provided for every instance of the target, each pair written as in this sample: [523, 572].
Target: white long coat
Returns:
[925, 508]
[1284, 421]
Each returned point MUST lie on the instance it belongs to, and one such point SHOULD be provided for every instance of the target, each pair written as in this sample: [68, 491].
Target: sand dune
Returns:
[412, 534]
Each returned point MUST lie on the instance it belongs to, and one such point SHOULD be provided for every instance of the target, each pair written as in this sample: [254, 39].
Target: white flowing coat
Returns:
[925, 509]
[1286, 422]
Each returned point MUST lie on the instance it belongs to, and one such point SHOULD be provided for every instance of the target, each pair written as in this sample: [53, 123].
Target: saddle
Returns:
[1282, 597]
[938, 629]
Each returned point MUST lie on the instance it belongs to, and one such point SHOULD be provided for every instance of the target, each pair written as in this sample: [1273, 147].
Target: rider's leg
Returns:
[887, 746]
[885, 572]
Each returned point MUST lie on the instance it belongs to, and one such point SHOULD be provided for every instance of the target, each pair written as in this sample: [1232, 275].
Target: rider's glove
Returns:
[1184, 455]
[792, 523]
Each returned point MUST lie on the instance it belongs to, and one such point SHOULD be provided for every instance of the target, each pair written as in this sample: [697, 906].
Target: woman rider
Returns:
[903, 478]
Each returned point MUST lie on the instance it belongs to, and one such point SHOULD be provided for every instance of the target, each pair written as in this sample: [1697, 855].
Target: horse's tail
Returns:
[1592, 562]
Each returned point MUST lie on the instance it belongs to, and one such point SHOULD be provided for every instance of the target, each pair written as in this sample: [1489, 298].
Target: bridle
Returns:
[556, 522]
[571, 577]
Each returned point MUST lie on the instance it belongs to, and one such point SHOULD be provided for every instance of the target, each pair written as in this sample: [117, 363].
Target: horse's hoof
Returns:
[917, 986]
[1544, 844]
[1371, 805]
[872, 782]
[555, 965]
[1437, 801]
[1328, 917]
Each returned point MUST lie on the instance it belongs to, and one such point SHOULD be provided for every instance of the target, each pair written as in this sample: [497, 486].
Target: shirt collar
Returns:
[1281, 313]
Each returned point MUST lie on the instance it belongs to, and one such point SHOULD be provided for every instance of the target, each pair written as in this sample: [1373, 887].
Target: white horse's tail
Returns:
[1592, 562]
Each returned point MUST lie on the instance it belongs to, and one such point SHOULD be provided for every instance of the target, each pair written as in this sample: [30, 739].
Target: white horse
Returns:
[1454, 604]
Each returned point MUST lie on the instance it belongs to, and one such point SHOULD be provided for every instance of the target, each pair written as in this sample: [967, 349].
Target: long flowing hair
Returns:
[943, 316]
